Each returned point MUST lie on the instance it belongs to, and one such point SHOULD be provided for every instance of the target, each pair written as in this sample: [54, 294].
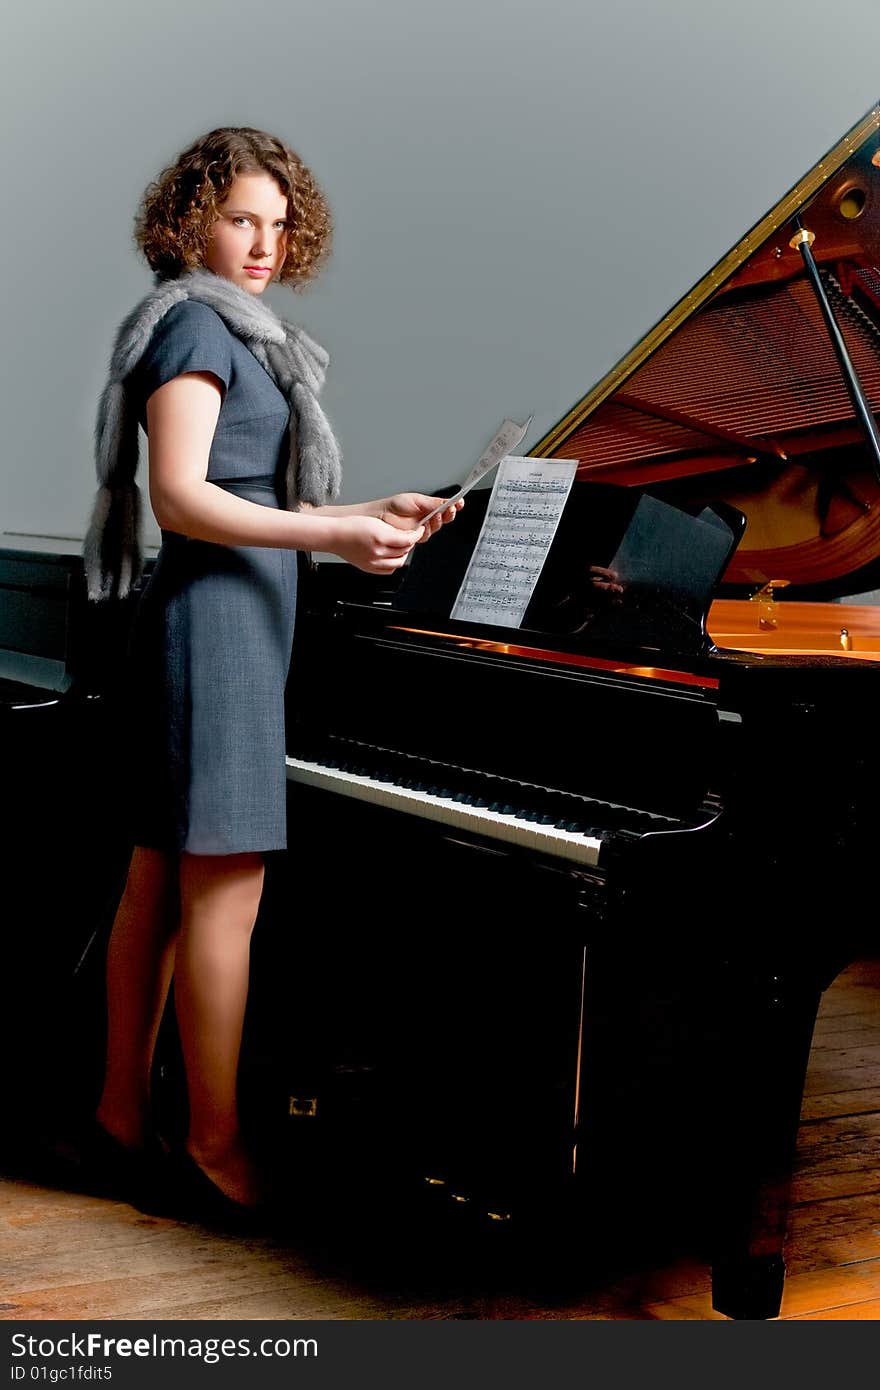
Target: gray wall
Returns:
[520, 190]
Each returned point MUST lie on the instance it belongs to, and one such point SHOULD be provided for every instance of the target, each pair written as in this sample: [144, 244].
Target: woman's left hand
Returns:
[406, 509]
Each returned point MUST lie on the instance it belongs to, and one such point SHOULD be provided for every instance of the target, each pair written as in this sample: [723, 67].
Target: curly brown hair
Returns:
[179, 208]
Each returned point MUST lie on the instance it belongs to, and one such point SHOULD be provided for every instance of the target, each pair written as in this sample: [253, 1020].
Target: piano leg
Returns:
[762, 1060]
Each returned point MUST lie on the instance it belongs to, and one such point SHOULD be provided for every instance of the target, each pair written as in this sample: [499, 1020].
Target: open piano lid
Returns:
[736, 402]
[737, 397]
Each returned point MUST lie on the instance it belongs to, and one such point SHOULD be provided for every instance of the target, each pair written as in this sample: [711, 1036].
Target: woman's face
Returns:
[249, 239]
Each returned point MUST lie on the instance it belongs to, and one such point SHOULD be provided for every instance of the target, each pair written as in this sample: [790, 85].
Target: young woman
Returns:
[243, 469]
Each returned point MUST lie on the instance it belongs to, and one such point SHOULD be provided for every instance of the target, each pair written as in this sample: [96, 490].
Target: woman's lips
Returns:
[257, 271]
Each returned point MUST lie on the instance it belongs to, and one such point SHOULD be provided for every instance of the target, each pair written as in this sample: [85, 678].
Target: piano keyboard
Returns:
[499, 808]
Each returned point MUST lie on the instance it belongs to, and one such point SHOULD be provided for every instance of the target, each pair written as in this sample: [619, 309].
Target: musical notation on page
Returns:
[521, 520]
[503, 441]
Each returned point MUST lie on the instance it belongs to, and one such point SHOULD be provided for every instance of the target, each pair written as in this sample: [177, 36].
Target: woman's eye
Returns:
[241, 219]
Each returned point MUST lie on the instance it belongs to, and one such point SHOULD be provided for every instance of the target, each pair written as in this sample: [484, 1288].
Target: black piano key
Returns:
[576, 815]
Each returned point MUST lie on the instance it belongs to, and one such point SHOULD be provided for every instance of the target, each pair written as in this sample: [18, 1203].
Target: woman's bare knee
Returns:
[152, 871]
[151, 892]
[227, 886]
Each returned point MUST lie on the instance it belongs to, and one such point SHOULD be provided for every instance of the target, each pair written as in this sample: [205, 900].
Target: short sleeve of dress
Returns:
[191, 337]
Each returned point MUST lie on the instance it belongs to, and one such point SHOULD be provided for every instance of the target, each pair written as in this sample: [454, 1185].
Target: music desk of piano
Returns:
[586, 879]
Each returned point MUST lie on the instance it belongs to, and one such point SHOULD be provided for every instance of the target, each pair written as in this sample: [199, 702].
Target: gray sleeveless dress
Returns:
[211, 640]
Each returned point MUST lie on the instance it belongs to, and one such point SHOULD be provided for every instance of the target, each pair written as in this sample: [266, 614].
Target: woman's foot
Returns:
[106, 1166]
[233, 1171]
[230, 1194]
[129, 1132]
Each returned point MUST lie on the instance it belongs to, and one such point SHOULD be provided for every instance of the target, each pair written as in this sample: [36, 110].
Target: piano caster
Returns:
[750, 1287]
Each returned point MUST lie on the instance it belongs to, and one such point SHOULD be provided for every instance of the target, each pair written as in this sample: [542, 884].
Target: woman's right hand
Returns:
[373, 545]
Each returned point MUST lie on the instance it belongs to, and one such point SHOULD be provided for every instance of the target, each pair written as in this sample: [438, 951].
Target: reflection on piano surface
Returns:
[623, 843]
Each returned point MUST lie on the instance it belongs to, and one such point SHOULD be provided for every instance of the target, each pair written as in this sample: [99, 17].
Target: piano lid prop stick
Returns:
[802, 241]
[501, 444]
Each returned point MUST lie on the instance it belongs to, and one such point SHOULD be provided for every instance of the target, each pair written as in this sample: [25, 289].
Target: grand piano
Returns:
[575, 886]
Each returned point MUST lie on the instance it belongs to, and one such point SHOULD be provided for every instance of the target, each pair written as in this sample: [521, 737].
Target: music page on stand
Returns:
[521, 520]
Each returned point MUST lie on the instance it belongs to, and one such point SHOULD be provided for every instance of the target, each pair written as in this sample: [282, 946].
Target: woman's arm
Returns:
[181, 419]
[403, 510]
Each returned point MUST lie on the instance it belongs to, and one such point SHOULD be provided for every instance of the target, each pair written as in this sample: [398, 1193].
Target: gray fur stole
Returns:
[112, 550]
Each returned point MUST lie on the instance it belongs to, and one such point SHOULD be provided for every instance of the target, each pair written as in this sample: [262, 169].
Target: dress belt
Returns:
[264, 484]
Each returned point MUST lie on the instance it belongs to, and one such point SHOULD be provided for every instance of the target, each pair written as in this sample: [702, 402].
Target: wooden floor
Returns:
[65, 1255]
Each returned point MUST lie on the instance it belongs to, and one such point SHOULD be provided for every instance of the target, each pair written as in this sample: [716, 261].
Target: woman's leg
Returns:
[140, 960]
[219, 900]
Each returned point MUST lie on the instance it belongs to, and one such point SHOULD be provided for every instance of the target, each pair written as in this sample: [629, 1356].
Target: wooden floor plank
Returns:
[837, 1157]
[176, 1293]
[857, 1032]
[845, 1075]
[842, 1286]
[858, 1102]
[830, 1065]
[869, 1311]
[849, 997]
[804, 1294]
[834, 1232]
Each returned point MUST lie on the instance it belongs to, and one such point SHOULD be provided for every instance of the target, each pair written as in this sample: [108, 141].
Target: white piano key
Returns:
[581, 849]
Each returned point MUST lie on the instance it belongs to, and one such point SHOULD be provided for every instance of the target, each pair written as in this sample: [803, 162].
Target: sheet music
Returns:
[515, 539]
[506, 438]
